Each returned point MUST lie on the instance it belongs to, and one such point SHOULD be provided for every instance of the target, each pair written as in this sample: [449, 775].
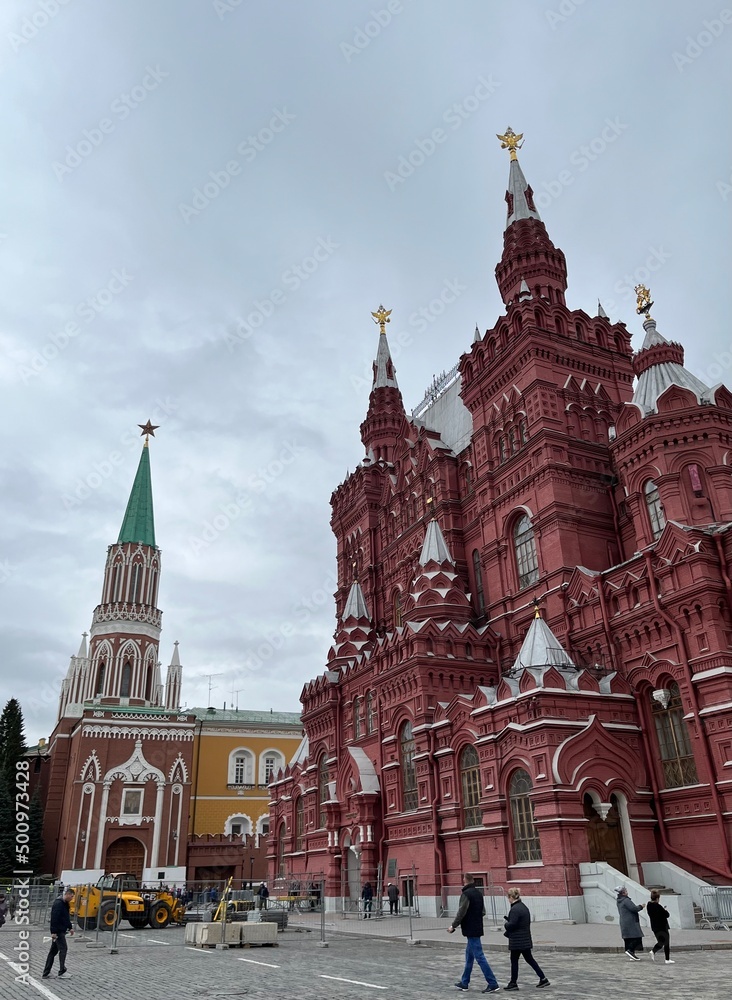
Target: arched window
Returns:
[470, 782]
[241, 767]
[674, 742]
[148, 683]
[524, 429]
[478, 574]
[100, 678]
[525, 549]
[525, 837]
[299, 824]
[370, 712]
[238, 826]
[409, 775]
[281, 850]
[322, 791]
[655, 508]
[270, 763]
[126, 684]
[397, 608]
[114, 588]
[502, 449]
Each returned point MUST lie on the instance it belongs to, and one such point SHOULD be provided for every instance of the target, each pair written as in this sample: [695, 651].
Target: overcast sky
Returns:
[202, 202]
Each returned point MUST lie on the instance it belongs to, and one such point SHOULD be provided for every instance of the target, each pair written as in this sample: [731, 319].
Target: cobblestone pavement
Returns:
[156, 965]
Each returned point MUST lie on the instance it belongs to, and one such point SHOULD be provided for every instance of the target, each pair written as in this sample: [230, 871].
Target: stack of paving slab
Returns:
[234, 935]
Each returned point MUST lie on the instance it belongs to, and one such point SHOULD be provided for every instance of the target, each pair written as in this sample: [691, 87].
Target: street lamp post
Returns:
[251, 871]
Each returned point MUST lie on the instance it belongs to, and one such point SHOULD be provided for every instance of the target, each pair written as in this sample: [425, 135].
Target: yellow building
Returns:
[236, 754]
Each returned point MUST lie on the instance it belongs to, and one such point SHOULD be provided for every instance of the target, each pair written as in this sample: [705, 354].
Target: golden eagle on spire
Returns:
[644, 301]
[381, 316]
[511, 141]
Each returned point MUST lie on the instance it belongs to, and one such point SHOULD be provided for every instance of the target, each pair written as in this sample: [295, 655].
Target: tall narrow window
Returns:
[655, 508]
[148, 683]
[370, 712]
[299, 824]
[525, 836]
[397, 608]
[502, 448]
[356, 717]
[270, 762]
[322, 791]
[478, 574]
[409, 775]
[674, 742]
[126, 683]
[281, 850]
[135, 583]
[525, 548]
[470, 781]
[114, 589]
[524, 429]
[100, 678]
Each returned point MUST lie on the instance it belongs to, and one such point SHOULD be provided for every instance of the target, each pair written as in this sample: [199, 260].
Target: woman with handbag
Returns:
[518, 932]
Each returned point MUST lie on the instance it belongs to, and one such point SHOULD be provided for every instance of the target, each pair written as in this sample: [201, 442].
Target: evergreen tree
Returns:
[12, 741]
[7, 834]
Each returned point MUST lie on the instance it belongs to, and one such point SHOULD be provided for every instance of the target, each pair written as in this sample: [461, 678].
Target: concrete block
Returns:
[261, 933]
[190, 933]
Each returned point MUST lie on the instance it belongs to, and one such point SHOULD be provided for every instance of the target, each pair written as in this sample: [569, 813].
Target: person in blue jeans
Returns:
[469, 918]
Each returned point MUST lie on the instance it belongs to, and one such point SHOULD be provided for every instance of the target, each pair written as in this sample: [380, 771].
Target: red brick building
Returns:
[532, 667]
[118, 778]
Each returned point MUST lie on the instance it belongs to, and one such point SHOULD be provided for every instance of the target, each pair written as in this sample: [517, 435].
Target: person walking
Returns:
[3, 908]
[367, 895]
[658, 916]
[262, 897]
[518, 931]
[630, 928]
[60, 926]
[469, 918]
[393, 893]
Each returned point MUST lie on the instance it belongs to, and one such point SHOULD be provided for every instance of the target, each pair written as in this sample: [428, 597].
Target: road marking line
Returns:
[355, 982]
[198, 951]
[122, 934]
[155, 941]
[253, 962]
[30, 980]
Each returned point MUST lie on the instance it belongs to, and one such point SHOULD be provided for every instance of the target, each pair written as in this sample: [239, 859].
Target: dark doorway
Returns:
[126, 855]
[605, 836]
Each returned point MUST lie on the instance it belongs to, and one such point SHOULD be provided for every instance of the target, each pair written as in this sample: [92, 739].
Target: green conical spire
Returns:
[139, 523]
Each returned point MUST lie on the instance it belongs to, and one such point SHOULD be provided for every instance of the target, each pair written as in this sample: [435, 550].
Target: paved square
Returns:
[155, 965]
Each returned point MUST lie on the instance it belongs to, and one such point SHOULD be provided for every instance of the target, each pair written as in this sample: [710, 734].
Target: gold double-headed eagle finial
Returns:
[511, 141]
[381, 316]
[644, 301]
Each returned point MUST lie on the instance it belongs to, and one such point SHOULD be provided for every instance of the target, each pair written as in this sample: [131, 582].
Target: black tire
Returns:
[87, 923]
[138, 922]
[108, 918]
[159, 915]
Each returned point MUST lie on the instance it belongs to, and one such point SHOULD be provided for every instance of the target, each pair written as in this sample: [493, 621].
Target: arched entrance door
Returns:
[605, 835]
[125, 855]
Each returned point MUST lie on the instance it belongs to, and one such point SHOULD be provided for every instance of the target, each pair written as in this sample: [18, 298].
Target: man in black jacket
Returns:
[60, 925]
[469, 919]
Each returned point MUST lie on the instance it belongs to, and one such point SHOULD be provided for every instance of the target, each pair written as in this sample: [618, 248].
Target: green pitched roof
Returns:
[139, 524]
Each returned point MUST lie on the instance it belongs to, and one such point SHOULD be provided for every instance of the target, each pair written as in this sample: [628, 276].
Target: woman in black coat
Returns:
[518, 932]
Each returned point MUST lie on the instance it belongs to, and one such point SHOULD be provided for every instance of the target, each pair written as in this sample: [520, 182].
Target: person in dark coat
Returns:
[469, 918]
[367, 895]
[630, 928]
[393, 893]
[263, 896]
[658, 916]
[60, 926]
[518, 932]
[3, 908]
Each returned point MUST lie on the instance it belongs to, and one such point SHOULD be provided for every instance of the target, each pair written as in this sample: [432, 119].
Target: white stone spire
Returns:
[435, 547]
[519, 196]
[173, 682]
[355, 603]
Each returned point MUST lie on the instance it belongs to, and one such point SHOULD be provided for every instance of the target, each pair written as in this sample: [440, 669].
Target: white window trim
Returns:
[280, 763]
[242, 818]
[241, 752]
[131, 819]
